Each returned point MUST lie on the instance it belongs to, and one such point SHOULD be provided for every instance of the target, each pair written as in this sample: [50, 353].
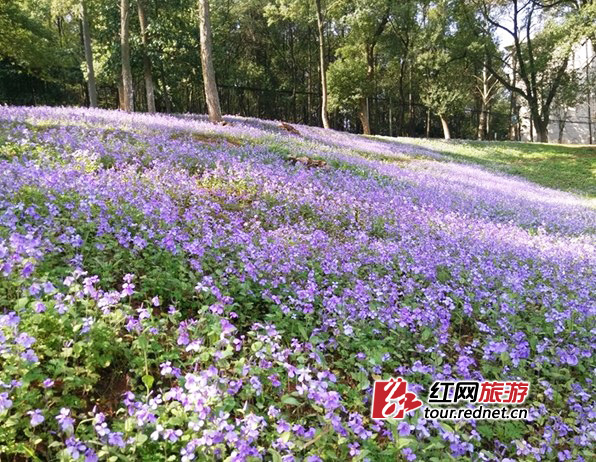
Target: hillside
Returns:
[175, 289]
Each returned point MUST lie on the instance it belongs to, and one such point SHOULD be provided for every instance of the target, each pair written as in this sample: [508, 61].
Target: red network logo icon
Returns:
[391, 400]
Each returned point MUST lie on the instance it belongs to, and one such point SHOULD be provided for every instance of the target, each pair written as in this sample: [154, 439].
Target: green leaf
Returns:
[405, 441]
[285, 436]
[275, 456]
[148, 381]
[290, 400]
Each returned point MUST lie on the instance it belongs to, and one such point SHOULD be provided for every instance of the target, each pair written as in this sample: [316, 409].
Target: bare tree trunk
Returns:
[120, 94]
[92, 89]
[541, 132]
[540, 123]
[484, 94]
[147, 68]
[364, 116]
[211, 96]
[128, 98]
[562, 122]
[488, 125]
[322, 65]
[445, 126]
[482, 122]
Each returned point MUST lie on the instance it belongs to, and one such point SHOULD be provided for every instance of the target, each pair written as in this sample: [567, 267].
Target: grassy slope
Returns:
[565, 167]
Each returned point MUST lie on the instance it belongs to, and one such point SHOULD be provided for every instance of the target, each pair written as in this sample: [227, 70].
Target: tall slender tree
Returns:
[211, 95]
[86, 32]
[147, 68]
[127, 84]
[322, 64]
[486, 89]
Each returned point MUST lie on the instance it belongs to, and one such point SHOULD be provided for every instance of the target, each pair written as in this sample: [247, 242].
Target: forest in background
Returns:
[410, 68]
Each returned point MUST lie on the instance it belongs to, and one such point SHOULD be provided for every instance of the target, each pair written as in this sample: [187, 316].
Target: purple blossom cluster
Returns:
[477, 275]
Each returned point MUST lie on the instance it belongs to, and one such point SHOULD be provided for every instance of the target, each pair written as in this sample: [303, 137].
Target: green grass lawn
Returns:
[565, 167]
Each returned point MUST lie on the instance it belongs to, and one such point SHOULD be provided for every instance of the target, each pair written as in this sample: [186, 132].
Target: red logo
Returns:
[391, 400]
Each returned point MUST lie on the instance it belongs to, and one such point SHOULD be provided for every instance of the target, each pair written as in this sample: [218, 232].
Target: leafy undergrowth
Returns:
[173, 290]
[567, 167]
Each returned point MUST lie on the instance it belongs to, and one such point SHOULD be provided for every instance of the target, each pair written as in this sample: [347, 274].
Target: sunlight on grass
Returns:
[565, 167]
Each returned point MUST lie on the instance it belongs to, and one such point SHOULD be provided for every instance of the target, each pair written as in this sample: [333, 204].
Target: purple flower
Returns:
[91, 456]
[127, 289]
[36, 417]
[66, 422]
[5, 402]
[404, 428]
[28, 269]
[30, 356]
[283, 426]
[75, 448]
[408, 454]
[25, 340]
[256, 384]
[115, 439]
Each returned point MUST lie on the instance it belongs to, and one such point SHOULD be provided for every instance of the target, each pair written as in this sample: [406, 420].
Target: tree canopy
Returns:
[381, 67]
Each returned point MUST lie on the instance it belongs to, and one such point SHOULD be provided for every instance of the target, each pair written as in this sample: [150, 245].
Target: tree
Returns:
[541, 53]
[86, 32]
[296, 11]
[211, 94]
[147, 68]
[442, 61]
[441, 91]
[366, 21]
[486, 88]
[404, 29]
[127, 84]
[322, 64]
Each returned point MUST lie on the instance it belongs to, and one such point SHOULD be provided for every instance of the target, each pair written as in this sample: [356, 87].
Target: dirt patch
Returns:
[313, 163]
[208, 138]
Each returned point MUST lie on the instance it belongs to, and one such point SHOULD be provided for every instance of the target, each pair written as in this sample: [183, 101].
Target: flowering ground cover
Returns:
[174, 290]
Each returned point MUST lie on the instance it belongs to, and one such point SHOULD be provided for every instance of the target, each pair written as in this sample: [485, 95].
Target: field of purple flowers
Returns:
[175, 290]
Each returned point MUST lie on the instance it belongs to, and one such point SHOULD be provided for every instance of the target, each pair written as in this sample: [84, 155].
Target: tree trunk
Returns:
[322, 65]
[164, 88]
[540, 123]
[120, 94]
[541, 131]
[127, 97]
[364, 116]
[88, 57]
[482, 122]
[561, 129]
[445, 126]
[485, 97]
[147, 68]
[211, 96]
